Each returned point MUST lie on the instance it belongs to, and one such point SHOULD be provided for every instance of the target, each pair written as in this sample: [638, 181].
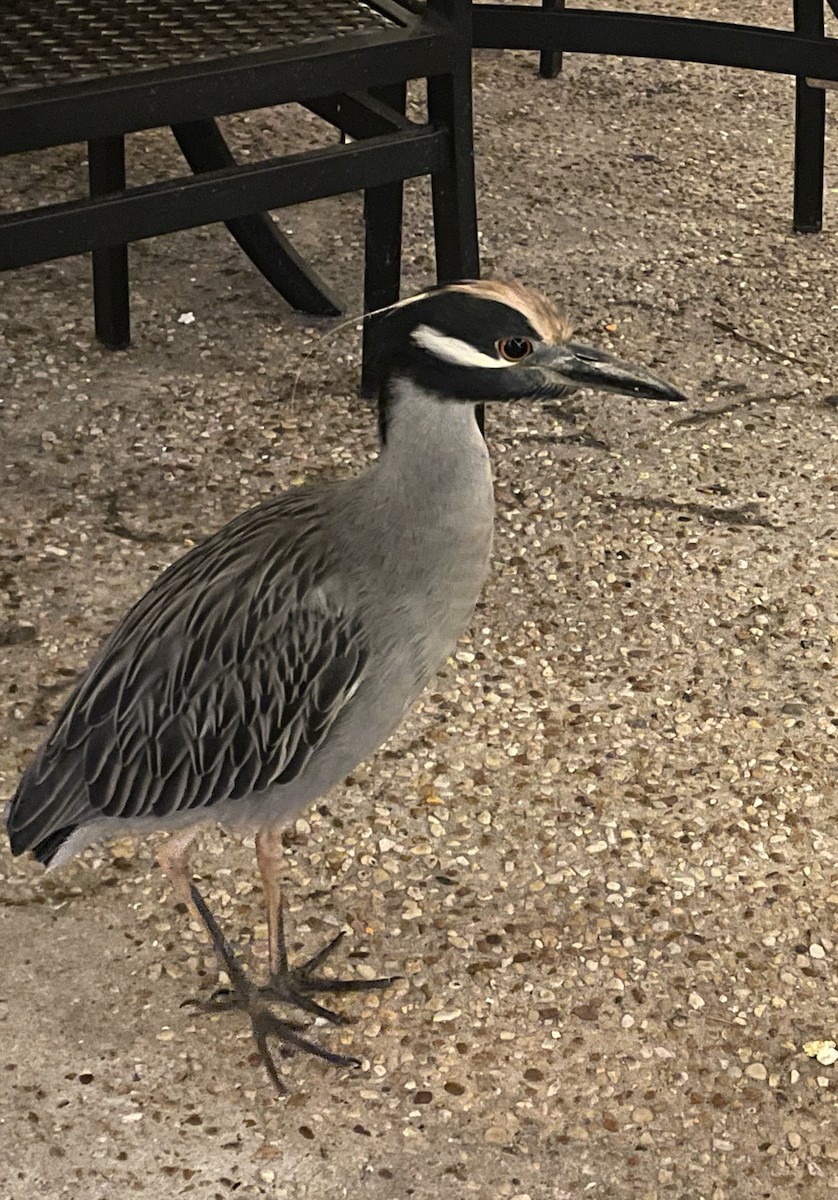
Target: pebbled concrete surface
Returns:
[602, 851]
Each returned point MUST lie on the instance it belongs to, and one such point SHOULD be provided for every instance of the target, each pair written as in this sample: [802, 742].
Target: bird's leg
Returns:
[173, 858]
[269, 861]
[245, 995]
[295, 985]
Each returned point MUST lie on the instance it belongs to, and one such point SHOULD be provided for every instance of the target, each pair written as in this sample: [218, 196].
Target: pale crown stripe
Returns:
[453, 350]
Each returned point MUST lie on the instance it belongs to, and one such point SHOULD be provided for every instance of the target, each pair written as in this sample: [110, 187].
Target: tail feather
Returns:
[41, 816]
[46, 850]
[44, 842]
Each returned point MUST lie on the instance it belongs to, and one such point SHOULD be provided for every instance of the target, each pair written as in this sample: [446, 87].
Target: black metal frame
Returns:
[809, 127]
[356, 81]
[804, 53]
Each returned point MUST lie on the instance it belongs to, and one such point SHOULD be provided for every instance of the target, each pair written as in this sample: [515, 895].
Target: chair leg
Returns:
[809, 130]
[383, 213]
[454, 204]
[204, 148]
[453, 188]
[550, 61]
[809, 133]
[106, 173]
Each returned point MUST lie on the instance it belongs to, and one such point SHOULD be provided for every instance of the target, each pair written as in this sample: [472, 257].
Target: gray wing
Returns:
[222, 681]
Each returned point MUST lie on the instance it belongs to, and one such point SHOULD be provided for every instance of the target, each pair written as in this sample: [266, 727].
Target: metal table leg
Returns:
[383, 208]
[106, 173]
[205, 149]
[809, 130]
[550, 61]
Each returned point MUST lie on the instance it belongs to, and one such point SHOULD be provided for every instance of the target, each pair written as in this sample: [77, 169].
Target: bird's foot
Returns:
[296, 985]
[244, 994]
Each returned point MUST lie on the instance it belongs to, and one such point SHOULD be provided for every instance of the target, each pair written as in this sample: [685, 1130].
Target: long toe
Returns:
[265, 1025]
[297, 985]
[243, 995]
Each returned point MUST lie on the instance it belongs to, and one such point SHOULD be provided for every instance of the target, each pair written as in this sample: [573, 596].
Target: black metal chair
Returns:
[805, 53]
[96, 70]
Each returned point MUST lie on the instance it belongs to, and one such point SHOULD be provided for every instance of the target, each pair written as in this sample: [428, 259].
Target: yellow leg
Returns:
[173, 859]
[269, 859]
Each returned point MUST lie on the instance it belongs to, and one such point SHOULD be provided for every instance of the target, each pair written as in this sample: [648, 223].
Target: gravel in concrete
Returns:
[602, 851]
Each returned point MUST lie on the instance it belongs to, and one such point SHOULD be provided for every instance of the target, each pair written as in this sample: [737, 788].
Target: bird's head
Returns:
[482, 341]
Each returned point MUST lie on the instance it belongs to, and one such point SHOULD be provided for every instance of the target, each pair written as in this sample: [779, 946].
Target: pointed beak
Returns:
[583, 367]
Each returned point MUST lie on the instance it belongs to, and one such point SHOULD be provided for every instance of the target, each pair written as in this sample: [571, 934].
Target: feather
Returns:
[221, 681]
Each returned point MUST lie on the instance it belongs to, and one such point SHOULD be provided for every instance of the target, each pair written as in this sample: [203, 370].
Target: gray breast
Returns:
[416, 583]
[261, 667]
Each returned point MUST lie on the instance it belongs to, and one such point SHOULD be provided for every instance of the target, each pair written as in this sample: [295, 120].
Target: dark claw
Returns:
[293, 985]
[266, 1024]
[296, 985]
[245, 995]
[352, 985]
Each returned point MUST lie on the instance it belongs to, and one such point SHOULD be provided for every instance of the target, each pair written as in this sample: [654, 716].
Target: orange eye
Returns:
[514, 349]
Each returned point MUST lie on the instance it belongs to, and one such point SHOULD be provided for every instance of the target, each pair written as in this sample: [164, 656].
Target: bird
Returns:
[262, 666]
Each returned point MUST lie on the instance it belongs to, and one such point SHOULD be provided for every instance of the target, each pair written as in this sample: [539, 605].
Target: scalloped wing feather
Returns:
[222, 681]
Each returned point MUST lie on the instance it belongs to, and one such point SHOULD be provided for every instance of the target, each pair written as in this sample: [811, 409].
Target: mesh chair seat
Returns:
[44, 43]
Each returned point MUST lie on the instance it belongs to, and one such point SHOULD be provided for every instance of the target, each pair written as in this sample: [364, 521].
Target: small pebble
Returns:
[496, 1135]
[642, 1116]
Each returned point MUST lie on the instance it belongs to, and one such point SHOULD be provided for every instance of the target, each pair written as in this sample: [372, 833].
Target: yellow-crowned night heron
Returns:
[261, 667]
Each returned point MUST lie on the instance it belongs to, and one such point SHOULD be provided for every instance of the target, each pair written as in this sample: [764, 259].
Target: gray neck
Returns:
[428, 521]
[431, 442]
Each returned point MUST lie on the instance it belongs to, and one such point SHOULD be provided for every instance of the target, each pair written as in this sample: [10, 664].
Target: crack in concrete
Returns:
[743, 514]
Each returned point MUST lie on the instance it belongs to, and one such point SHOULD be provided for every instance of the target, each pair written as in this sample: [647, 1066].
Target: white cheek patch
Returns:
[453, 350]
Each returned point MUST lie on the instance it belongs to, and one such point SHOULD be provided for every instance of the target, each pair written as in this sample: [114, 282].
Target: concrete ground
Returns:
[602, 850]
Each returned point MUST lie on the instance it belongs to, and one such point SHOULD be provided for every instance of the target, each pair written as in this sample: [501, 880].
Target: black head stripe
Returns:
[479, 322]
[465, 313]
